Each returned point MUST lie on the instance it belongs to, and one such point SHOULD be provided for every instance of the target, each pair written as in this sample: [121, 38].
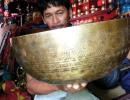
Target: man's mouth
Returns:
[59, 26]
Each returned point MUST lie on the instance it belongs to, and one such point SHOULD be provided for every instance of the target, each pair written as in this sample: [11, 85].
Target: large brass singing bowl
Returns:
[74, 54]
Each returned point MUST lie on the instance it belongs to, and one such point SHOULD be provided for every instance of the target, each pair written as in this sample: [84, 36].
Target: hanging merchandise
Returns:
[122, 2]
[124, 6]
[86, 11]
[6, 8]
[1, 12]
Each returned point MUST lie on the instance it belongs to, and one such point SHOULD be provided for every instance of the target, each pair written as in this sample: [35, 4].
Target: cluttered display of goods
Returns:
[88, 11]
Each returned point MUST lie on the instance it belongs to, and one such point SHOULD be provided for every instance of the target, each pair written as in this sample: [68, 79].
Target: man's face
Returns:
[56, 17]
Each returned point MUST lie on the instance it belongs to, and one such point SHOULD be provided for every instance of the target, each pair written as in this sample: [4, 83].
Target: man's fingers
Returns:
[69, 86]
[76, 86]
[11, 42]
[83, 84]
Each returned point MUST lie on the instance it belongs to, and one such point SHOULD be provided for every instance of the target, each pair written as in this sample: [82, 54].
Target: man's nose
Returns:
[55, 20]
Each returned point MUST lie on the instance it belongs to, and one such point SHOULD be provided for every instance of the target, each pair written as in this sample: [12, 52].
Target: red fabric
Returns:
[5, 55]
[123, 97]
[71, 1]
[99, 3]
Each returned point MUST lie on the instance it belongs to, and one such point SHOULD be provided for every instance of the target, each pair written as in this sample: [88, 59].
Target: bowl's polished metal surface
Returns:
[78, 53]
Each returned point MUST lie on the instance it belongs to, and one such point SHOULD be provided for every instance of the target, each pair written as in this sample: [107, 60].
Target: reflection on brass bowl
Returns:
[78, 53]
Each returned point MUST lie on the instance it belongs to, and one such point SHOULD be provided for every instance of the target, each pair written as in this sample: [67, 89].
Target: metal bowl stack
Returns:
[74, 54]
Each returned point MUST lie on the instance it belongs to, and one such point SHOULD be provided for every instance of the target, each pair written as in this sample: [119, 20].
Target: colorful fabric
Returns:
[125, 82]
[125, 77]
[61, 95]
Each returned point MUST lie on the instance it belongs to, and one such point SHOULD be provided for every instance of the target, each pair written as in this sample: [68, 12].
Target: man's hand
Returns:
[72, 88]
[128, 55]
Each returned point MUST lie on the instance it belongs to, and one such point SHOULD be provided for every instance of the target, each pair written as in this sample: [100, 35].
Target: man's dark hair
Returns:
[44, 4]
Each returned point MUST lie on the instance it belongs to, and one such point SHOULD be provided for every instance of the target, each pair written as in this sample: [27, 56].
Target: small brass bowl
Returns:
[79, 53]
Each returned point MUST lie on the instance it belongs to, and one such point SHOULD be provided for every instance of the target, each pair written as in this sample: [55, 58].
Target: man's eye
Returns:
[47, 15]
[60, 13]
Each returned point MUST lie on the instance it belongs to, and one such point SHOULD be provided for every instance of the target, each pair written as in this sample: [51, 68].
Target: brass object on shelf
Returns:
[79, 53]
